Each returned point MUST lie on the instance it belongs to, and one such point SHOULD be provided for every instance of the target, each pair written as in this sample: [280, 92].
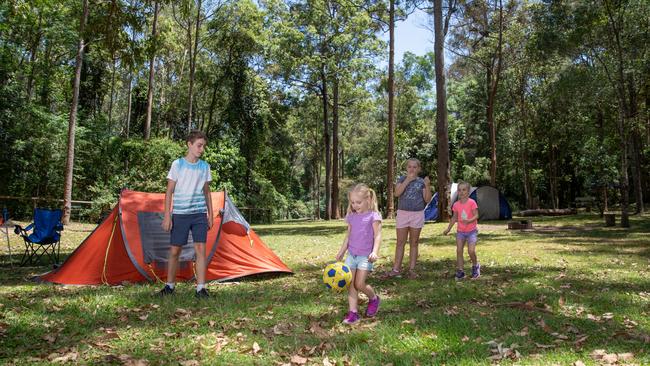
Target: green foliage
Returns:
[260, 74]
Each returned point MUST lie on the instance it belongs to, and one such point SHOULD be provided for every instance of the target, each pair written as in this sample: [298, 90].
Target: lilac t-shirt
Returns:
[362, 236]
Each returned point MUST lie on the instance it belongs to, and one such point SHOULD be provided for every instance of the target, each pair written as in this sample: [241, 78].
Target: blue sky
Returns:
[412, 35]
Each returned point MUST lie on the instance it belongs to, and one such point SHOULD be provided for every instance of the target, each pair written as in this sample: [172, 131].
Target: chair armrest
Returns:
[29, 227]
[59, 227]
[19, 230]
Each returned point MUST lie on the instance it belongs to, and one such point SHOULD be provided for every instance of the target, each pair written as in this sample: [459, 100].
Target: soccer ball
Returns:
[337, 276]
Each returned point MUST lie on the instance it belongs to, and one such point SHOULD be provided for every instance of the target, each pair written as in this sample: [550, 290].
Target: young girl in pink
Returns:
[465, 213]
[362, 244]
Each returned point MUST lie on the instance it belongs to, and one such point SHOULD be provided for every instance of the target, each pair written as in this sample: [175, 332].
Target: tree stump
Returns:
[610, 219]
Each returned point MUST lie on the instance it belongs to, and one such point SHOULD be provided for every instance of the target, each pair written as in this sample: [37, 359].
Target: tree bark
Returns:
[112, 97]
[442, 129]
[326, 141]
[128, 105]
[528, 186]
[623, 114]
[390, 153]
[32, 58]
[193, 52]
[45, 85]
[493, 76]
[335, 213]
[635, 145]
[553, 175]
[152, 61]
[161, 97]
[69, 164]
[213, 103]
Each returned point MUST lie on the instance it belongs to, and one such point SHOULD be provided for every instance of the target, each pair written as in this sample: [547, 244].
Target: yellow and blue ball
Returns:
[337, 276]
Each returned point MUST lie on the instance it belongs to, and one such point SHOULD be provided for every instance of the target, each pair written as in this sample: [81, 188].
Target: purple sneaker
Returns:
[476, 271]
[373, 307]
[351, 318]
[460, 274]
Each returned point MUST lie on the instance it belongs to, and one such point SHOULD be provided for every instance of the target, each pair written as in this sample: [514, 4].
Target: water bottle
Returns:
[5, 215]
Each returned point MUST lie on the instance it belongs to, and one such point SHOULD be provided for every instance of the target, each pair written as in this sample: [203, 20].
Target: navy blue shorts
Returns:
[183, 224]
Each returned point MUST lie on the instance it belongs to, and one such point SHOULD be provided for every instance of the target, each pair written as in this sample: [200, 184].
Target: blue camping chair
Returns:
[45, 238]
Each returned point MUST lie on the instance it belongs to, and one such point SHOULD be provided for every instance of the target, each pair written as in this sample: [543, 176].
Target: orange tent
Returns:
[129, 246]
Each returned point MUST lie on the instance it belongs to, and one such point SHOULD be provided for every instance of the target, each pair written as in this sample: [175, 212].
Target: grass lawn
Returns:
[571, 291]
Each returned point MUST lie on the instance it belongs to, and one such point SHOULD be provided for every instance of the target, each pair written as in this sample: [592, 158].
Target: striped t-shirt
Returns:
[190, 179]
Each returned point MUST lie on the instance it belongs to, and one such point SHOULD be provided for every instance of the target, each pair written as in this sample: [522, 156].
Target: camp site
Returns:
[325, 182]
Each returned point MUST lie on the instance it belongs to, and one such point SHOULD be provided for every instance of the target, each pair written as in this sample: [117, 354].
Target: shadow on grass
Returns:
[419, 311]
[432, 314]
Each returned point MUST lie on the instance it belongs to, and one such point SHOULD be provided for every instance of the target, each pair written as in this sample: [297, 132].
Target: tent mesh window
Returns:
[155, 241]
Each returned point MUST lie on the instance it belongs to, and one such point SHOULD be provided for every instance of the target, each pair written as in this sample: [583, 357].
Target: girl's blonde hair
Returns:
[463, 183]
[414, 160]
[367, 194]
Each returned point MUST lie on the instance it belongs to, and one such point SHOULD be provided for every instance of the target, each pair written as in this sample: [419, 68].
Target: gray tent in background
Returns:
[492, 205]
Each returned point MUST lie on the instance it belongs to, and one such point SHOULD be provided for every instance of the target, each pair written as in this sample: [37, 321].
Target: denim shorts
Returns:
[358, 262]
[183, 224]
[471, 236]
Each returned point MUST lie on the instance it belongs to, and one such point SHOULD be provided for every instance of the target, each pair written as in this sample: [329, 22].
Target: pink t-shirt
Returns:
[463, 212]
[362, 235]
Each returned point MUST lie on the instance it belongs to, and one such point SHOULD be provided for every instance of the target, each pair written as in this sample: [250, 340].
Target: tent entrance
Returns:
[155, 241]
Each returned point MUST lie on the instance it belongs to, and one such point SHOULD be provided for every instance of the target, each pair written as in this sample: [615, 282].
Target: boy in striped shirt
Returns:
[188, 207]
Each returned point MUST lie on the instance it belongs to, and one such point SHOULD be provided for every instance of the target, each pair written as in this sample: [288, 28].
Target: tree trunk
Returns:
[193, 62]
[635, 145]
[625, 188]
[318, 179]
[342, 164]
[442, 130]
[112, 97]
[165, 77]
[152, 61]
[390, 153]
[637, 171]
[129, 99]
[647, 111]
[32, 58]
[491, 128]
[213, 103]
[45, 85]
[69, 164]
[335, 214]
[623, 114]
[493, 75]
[326, 141]
[553, 175]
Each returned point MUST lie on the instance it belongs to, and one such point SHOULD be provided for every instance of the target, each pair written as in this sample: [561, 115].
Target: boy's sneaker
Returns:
[351, 318]
[373, 307]
[166, 291]
[460, 274]
[203, 294]
[476, 271]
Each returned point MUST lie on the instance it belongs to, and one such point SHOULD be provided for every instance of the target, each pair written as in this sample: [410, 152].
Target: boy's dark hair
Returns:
[195, 135]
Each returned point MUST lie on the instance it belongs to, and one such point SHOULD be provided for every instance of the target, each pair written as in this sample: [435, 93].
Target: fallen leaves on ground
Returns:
[501, 352]
[528, 305]
[602, 356]
[317, 330]
[298, 360]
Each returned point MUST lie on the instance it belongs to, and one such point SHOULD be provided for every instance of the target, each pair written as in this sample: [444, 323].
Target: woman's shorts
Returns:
[358, 262]
[183, 224]
[471, 236]
[414, 219]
